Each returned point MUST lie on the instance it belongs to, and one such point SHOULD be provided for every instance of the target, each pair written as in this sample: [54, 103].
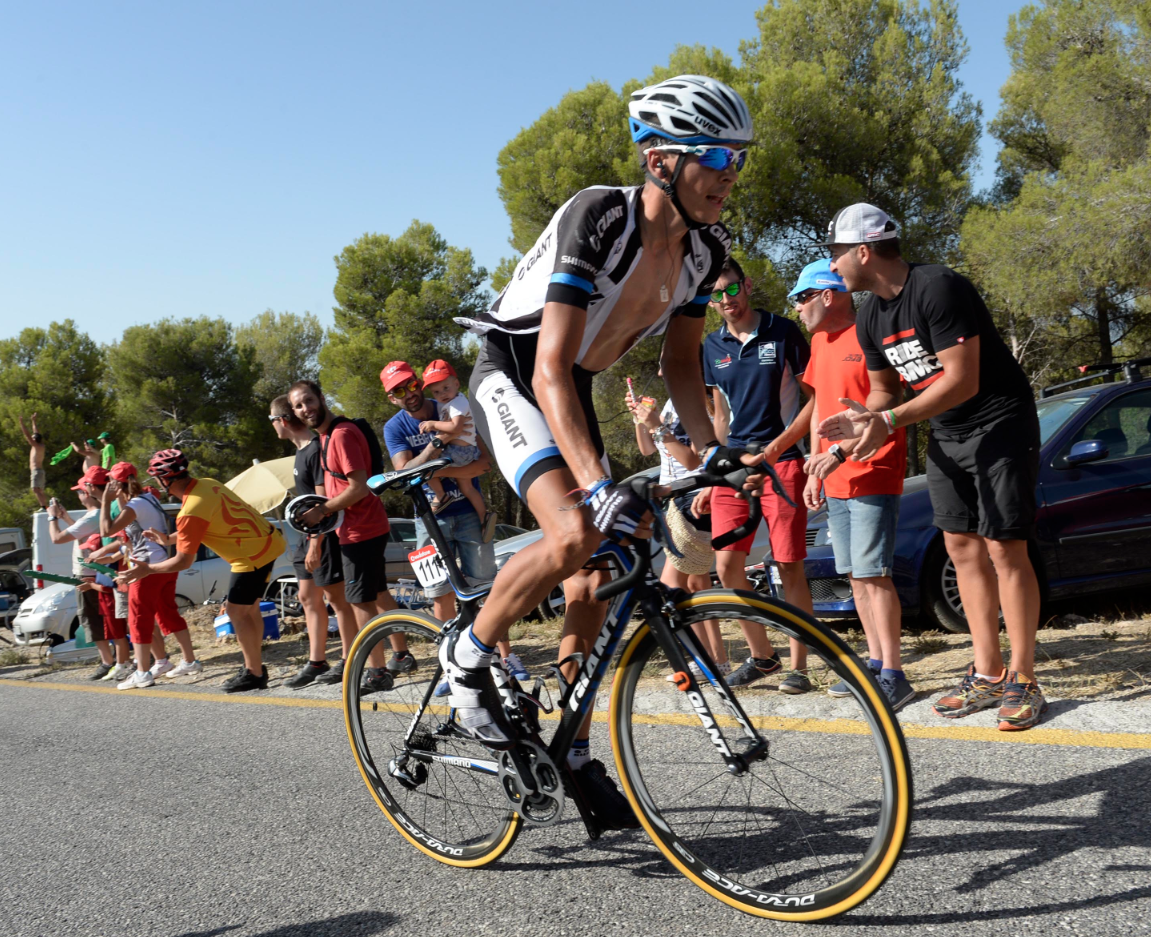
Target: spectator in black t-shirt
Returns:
[317, 561]
[927, 325]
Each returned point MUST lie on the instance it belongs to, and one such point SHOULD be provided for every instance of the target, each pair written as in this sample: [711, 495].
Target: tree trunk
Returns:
[1104, 308]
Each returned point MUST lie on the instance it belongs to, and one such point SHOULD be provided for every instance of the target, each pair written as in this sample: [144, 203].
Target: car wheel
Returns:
[54, 640]
[553, 605]
[940, 590]
[288, 593]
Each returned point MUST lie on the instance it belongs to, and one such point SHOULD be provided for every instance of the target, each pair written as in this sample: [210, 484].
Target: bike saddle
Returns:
[399, 479]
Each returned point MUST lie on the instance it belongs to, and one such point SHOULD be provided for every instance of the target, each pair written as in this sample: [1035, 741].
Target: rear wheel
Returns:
[815, 824]
[441, 792]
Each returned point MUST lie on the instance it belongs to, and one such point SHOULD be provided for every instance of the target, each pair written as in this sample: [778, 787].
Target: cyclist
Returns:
[613, 266]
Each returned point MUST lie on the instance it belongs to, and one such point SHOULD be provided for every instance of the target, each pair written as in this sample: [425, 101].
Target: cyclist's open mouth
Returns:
[717, 200]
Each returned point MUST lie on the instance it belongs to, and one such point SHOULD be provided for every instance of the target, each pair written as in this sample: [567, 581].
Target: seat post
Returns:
[424, 513]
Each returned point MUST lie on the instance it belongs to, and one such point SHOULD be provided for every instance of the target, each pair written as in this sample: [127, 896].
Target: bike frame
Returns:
[577, 697]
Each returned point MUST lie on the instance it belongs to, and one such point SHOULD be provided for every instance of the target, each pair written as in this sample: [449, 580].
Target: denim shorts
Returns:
[465, 537]
[862, 531]
[462, 455]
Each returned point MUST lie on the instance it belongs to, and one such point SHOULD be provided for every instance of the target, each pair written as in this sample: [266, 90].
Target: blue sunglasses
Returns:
[713, 157]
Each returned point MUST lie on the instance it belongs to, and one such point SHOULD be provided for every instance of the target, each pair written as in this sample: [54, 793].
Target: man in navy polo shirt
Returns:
[753, 364]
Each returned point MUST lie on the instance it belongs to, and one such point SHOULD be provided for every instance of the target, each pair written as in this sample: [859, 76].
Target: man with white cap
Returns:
[927, 325]
[862, 497]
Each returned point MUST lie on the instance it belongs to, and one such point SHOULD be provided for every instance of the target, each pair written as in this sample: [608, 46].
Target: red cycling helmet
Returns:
[168, 464]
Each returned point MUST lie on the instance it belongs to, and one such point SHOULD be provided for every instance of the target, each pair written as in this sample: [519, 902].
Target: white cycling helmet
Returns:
[691, 110]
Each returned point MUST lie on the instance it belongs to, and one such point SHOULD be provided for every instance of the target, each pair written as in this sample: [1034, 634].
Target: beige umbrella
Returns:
[265, 485]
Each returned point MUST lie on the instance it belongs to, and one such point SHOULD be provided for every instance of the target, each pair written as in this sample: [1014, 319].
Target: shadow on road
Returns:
[987, 831]
[358, 924]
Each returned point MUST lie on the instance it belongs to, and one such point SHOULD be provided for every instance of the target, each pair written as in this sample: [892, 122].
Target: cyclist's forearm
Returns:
[561, 408]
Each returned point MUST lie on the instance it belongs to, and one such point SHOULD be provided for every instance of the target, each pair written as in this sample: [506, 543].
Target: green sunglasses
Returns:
[732, 289]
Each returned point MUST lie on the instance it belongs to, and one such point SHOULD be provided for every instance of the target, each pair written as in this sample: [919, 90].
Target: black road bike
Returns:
[797, 819]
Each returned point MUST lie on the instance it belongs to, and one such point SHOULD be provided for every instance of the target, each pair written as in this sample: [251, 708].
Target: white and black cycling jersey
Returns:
[585, 256]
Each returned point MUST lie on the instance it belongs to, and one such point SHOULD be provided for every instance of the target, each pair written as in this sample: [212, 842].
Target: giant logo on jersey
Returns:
[612, 214]
[914, 363]
[528, 262]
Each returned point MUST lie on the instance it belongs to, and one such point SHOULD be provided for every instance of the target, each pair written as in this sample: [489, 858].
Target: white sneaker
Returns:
[516, 667]
[138, 681]
[695, 672]
[185, 668]
[162, 666]
[119, 672]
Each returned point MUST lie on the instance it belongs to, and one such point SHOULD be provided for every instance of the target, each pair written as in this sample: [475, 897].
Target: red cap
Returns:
[396, 373]
[93, 475]
[122, 471]
[438, 370]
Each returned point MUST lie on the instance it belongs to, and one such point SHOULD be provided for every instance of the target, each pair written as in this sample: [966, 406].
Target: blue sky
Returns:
[211, 159]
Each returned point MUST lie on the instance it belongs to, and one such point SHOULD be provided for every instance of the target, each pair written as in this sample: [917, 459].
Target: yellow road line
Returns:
[1039, 736]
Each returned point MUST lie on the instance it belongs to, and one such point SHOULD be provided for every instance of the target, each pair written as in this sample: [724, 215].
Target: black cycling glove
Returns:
[616, 510]
[723, 460]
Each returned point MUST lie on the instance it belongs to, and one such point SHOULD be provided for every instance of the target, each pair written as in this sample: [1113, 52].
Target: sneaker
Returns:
[443, 689]
[243, 682]
[754, 669]
[479, 710]
[162, 666]
[516, 668]
[186, 668]
[403, 662]
[794, 683]
[841, 689]
[377, 680]
[137, 681]
[335, 673]
[119, 672]
[1023, 703]
[972, 694]
[488, 529]
[898, 691]
[102, 670]
[610, 807]
[309, 673]
[695, 672]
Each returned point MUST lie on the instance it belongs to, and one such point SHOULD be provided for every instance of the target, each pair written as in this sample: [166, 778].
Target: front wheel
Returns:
[816, 821]
[441, 792]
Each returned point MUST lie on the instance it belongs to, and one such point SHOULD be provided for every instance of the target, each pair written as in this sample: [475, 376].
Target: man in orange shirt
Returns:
[213, 515]
[862, 497]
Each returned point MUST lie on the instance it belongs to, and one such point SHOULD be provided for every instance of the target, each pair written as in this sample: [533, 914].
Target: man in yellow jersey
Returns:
[214, 516]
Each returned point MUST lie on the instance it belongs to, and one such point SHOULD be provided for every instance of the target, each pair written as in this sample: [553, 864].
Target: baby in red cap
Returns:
[455, 432]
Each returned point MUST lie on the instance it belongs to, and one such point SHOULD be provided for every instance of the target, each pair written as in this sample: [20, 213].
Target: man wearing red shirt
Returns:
[862, 497]
[363, 534]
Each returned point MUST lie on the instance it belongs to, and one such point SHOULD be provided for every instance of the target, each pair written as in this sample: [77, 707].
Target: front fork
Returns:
[674, 640]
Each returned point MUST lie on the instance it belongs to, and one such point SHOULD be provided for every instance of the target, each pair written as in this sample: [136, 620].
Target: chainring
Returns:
[542, 806]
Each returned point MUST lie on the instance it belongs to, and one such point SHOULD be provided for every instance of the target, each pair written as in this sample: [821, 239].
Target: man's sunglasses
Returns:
[713, 157]
[404, 389]
[278, 416]
[805, 297]
[732, 289]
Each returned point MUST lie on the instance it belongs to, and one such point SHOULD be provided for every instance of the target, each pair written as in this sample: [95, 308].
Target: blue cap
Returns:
[818, 275]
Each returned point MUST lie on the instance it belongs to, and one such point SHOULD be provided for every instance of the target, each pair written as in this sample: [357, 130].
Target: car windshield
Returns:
[1055, 413]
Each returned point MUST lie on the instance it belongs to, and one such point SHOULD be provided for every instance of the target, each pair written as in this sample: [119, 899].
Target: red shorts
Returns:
[114, 628]
[787, 525]
[153, 599]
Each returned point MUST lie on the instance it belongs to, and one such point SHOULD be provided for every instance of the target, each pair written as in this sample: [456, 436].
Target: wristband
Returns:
[602, 482]
[889, 421]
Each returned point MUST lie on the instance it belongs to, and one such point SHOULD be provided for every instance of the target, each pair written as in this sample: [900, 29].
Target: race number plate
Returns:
[428, 565]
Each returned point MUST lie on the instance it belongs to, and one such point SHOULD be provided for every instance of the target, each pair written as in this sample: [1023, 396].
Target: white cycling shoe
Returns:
[479, 710]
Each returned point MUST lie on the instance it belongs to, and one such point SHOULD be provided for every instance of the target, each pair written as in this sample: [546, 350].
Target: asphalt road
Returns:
[142, 815]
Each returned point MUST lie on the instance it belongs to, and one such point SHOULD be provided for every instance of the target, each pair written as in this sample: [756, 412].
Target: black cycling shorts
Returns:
[249, 588]
[984, 482]
[365, 569]
[331, 568]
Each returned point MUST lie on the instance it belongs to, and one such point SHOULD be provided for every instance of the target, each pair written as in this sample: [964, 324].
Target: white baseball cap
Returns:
[860, 224]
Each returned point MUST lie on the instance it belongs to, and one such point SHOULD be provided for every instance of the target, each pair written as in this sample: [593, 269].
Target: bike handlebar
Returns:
[735, 480]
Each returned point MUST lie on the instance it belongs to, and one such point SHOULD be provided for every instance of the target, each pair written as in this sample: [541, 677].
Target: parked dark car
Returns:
[1093, 530]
